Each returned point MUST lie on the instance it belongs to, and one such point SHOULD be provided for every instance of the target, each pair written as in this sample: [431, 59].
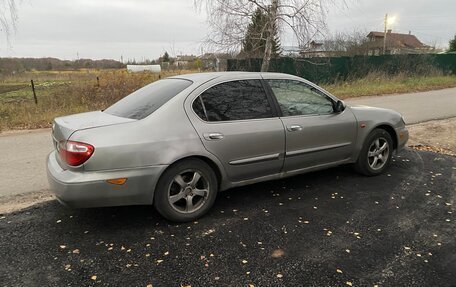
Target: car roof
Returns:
[198, 78]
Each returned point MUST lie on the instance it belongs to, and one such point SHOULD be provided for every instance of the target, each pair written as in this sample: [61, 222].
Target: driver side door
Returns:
[316, 135]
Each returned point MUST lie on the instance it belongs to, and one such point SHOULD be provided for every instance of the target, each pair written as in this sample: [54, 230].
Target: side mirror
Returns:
[339, 106]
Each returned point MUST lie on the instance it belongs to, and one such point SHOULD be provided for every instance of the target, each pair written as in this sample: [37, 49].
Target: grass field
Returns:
[69, 92]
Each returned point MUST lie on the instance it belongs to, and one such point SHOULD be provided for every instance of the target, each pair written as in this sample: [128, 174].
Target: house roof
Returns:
[396, 40]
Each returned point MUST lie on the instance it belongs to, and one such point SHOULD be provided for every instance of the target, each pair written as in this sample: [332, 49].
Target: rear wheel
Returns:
[186, 191]
[375, 156]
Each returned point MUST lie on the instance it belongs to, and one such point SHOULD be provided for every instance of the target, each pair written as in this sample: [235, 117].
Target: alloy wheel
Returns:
[188, 191]
[378, 153]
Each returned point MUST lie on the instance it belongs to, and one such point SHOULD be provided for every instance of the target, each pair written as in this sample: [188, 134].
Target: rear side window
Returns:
[236, 100]
[148, 99]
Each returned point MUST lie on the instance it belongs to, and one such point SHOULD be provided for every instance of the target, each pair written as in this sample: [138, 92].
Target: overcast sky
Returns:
[140, 29]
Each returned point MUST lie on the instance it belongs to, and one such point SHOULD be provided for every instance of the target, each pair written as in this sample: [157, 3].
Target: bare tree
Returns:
[228, 20]
[347, 44]
[8, 17]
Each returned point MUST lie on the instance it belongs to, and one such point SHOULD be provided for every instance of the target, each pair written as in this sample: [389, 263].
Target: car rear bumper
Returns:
[90, 189]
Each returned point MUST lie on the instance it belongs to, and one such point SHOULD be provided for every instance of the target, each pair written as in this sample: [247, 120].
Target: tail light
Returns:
[75, 153]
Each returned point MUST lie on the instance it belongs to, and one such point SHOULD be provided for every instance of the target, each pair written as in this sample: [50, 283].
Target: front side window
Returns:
[148, 99]
[236, 100]
[297, 98]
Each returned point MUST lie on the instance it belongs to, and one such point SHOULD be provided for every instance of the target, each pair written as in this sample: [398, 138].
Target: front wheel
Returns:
[375, 156]
[186, 191]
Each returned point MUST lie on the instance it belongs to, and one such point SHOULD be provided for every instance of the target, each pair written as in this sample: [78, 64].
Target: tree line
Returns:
[18, 65]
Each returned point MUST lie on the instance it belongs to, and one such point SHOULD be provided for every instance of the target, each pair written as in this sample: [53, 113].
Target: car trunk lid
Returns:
[64, 127]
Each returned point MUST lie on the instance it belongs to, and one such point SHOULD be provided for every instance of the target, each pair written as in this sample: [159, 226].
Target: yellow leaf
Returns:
[339, 271]
[94, 277]
[349, 283]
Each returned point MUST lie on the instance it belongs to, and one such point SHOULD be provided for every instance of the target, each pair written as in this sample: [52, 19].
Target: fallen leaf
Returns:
[94, 277]
[62, 246]
[76, 251]
[349, 283]
[244, 261]
[347, 250]
[277, 253]
[159, 261]
[166, 253]
[339, 271]
[279, 275]
[149, 285]
[58, 221]
[407, 248]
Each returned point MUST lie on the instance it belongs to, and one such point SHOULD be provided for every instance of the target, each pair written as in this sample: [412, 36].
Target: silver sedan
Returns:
[176, 142]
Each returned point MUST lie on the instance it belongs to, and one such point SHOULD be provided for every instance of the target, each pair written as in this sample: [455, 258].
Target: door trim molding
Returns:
[255, 159]
[315, 149]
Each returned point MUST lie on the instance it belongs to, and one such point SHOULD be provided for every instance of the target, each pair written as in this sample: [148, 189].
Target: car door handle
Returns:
[294, 128]
[213, 136]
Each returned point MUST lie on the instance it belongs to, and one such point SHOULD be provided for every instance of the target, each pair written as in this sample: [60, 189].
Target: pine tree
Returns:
[166, 57]
[254, 42]
[453, 44]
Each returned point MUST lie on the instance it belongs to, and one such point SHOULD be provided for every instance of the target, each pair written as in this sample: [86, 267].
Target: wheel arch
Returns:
[391, 131]
[211, 163]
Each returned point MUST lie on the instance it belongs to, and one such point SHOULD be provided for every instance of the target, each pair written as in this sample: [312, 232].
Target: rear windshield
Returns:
[148, 99]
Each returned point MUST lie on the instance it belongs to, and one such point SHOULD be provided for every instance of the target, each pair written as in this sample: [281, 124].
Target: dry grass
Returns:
[62, 96]
[69, 92]
[379, 84]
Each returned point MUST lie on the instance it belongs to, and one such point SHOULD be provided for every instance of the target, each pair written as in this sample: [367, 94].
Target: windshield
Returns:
[148, 99]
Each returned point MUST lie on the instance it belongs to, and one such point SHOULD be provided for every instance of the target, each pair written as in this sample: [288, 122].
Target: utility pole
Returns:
[384, 35]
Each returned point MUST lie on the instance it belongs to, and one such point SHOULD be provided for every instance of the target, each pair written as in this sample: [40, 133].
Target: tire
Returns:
[372, 160]
[181, 195]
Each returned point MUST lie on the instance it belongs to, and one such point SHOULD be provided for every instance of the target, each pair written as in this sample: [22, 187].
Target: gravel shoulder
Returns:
[438, 136]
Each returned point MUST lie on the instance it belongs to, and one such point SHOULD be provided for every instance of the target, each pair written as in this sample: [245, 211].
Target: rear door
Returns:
[237, 123]
[315, 134]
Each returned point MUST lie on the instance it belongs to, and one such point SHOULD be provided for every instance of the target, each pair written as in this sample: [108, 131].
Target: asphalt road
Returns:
[328, 228]
[416, 107]
[23, 163]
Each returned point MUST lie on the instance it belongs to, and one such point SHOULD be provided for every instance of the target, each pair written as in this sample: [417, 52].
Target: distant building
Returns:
[291, 51]
[215, 61]
[396, 43]
[315, 50]
[183, 61]
[143, 68]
